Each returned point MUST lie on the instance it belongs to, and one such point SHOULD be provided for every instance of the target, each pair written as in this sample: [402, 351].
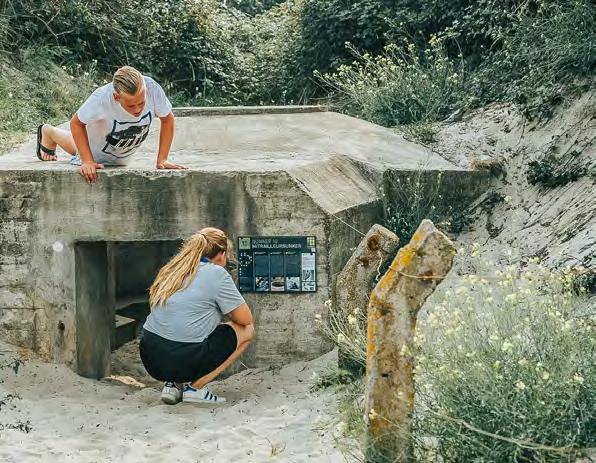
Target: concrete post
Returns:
[392, 313]
[354, 283]
[94, 314]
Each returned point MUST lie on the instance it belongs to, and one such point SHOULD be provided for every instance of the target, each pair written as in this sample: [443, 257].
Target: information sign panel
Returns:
[277, 264]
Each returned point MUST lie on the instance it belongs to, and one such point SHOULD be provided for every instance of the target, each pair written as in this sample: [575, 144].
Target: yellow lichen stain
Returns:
[371, 331]
[402, 260]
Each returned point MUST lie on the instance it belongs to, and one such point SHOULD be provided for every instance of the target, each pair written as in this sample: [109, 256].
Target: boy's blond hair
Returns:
[128, 80]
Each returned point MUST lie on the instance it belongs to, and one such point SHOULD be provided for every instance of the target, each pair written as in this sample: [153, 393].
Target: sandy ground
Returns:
[516, 220]
[270, 415]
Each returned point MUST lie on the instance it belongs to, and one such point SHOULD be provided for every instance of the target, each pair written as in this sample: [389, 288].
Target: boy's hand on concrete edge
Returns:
[89, 171]
[170, 165]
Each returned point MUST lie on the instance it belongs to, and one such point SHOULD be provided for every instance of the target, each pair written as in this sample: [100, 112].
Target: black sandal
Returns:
[41, 148]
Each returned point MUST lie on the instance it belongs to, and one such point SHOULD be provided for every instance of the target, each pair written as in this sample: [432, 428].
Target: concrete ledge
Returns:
[245, 110]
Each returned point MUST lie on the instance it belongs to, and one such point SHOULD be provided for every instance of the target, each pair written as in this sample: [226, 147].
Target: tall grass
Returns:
[34, 90]
[399, 86]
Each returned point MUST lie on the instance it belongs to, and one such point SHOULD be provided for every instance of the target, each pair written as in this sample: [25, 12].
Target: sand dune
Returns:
[271, 415]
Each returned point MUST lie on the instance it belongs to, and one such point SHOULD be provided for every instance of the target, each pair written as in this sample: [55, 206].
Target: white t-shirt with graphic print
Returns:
[114, 135]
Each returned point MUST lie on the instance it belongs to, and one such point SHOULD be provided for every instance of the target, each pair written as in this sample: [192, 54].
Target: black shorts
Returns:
[181, 362]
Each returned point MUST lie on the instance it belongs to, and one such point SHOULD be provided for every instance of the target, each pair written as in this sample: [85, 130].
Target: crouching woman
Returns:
[184, 341]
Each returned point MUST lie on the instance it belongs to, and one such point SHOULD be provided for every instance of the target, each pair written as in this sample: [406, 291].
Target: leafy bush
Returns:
[506, 369]
[552, 171]
[399, 87]
[540, 57]
[254, 7]
[179, 42]
[266, 70]
[412, 197]
[531, 53]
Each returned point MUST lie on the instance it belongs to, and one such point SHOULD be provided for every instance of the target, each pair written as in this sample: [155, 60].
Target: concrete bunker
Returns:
[112, 303]
[252, 173]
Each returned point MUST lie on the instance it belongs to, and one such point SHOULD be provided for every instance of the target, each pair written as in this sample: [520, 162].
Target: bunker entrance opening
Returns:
[112, 296]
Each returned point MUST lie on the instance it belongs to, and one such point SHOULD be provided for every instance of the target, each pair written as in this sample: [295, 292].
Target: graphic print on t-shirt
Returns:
[126, 137]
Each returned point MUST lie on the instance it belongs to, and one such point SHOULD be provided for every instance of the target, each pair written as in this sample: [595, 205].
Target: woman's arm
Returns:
[241, 315]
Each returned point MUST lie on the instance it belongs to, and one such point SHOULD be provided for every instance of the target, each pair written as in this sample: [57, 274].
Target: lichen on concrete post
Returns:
[393, 309]
[354, 282]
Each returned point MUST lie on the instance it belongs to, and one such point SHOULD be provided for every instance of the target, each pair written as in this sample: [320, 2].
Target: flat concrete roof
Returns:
[265, 142]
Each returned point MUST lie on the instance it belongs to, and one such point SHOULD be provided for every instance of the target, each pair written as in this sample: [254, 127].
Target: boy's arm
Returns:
[88, 165]
[166, 135]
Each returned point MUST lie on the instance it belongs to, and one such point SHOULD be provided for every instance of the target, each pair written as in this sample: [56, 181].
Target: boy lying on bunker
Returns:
[111, 125]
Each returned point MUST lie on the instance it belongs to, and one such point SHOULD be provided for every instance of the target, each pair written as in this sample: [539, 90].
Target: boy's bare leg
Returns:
[53, 136]
[244, 334]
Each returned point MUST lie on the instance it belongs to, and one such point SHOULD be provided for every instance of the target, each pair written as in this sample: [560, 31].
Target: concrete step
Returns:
[126, 301]
[126, 330]
[136, 307]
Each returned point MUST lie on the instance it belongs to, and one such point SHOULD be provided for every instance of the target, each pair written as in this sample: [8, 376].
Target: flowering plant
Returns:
[505, 368]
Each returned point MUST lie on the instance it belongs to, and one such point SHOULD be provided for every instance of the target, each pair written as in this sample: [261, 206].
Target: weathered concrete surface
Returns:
[394, 304]
[264, 142]
[354, 283]
[282, 174]
[244, 110]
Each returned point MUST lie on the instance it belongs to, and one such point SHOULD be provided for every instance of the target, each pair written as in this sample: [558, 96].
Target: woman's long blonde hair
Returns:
[180, 270]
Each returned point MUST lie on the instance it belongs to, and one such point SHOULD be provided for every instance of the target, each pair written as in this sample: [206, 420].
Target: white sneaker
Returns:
[171, 393]
[203, 395]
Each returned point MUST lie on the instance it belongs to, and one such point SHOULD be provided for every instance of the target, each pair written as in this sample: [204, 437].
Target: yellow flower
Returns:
[520, 386]
[372, 414]
[577, 378]
[507, 347]
[351, 319]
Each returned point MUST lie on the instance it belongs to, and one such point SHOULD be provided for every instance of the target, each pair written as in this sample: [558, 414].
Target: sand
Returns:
[271, 415]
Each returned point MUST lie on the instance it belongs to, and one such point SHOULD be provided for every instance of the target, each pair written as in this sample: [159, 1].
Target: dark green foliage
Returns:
[266, 51]
[552, 171]
[333, 377]
[540, 57]
[253, 7]
[179, 42]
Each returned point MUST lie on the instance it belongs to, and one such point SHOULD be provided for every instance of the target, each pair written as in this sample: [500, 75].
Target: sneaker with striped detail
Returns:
[171, 393]
[203, 395]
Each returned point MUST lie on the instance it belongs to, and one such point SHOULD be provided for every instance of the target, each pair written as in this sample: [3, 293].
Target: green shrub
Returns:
[180, 43]
[540, 57]
[552, 171]
[254, 7]
[506, 370]
[412, 197]
[266, 69]
[34, 90]
[398, 87]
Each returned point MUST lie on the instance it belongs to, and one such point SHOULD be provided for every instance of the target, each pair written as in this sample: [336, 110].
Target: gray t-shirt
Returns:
[190, 315]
